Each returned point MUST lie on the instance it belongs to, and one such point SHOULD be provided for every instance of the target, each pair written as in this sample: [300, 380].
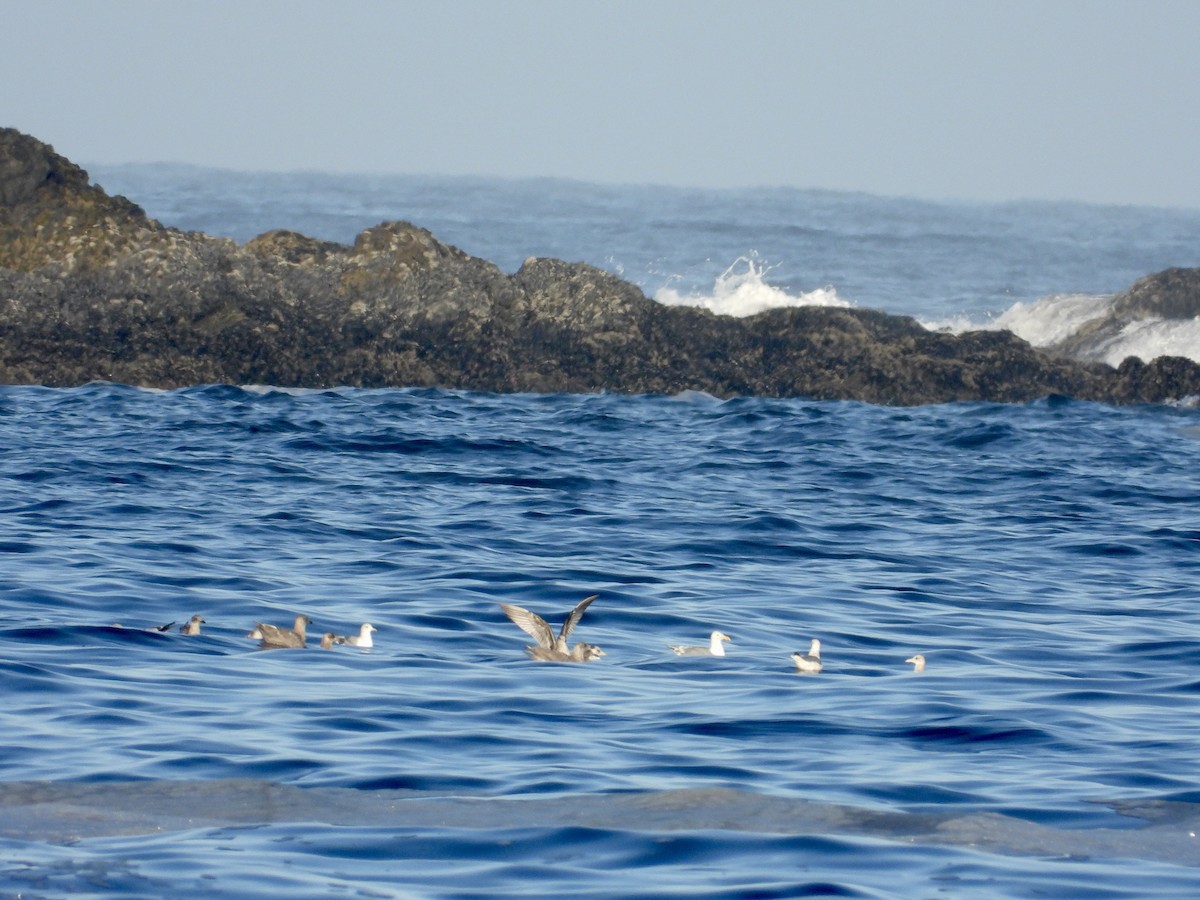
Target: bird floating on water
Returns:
[192, 625]
[918, 662]
[362, 639]
[274, 636]
[716, 646]
[328, 639]
[550, 648]
[810, 662]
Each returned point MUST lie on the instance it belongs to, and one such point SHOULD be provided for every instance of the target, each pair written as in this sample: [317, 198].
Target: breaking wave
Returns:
[742, 290]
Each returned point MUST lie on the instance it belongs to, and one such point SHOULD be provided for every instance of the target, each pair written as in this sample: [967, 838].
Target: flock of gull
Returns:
[549, 647]
[272, 637]
[555, 648]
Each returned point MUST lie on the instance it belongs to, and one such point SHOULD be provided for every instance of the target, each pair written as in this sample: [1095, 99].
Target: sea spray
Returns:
[1043, 322]
[742, 290]
[1149, 339]
[1050, 321]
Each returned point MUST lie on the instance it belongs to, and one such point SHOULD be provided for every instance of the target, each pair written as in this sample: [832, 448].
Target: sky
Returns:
[1091, 100]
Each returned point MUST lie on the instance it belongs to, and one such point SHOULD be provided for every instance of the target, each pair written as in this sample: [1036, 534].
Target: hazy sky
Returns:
[1051, 99]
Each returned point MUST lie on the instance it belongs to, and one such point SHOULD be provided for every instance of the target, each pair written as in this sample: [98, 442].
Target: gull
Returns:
[274, 636]
[716, 646]
[918, 662]
[581, 652]
[809, 662]
[192, 625]
[362, 639]
[328, 639]
[550, 648]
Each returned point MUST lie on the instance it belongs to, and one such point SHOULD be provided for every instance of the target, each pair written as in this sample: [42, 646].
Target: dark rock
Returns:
[1170, 294]
[26, 166]
[293, 247]
[50, 214]
[1165, 378]
[90, 288]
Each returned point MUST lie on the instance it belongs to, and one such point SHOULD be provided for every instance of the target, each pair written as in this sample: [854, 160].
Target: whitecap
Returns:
[742, 290]
[1052, 319]
[1043, 323]
[1152, 338]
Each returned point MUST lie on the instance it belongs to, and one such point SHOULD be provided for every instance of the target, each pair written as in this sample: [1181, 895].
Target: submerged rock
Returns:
[93, 289]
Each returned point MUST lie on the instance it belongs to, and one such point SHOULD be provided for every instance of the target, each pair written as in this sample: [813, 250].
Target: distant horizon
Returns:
[1089, 101]
[347, 173]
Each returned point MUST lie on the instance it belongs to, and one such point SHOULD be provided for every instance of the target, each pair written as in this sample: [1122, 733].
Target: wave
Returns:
[1150, 338]
[1047, 323]
[741, 290]
[1051, 321]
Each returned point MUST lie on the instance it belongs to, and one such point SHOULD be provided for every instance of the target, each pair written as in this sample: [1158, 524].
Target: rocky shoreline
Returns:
[93, 289]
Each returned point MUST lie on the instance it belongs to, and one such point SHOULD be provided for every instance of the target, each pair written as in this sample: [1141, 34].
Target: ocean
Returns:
[1043, 557]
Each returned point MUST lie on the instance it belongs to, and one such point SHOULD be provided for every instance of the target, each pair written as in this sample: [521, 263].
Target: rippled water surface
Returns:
[1043, 557]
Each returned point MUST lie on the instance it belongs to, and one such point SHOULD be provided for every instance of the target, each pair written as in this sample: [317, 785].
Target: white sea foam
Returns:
[953, 324]
[1051, 320]
[1042, 322]
[1151, 338]
[742, 290]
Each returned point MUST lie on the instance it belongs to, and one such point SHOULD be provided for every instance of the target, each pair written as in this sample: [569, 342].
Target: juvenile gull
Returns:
[192, 625]
[716, 646]
[328, 639]
[809, 662]
[362, 639]
[550, 648]
[581, 652]
[918, 662]
[274, 636]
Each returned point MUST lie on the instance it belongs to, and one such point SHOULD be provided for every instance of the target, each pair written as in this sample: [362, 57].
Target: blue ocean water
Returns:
[1042, 556]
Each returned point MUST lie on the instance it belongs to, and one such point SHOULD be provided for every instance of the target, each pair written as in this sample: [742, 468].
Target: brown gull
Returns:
[274, 636]
[550, 648]
[716, 646]
[192, 625]
[809, 662]
[581, 652]
[328, 639]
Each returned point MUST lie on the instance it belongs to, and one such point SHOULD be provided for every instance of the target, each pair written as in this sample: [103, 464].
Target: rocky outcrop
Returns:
[92, 289]
[1170, 294]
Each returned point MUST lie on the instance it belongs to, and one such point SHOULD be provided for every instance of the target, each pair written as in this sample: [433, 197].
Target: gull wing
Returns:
[274, 636]
[573, 620]
[530, 623]
[269, 632]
